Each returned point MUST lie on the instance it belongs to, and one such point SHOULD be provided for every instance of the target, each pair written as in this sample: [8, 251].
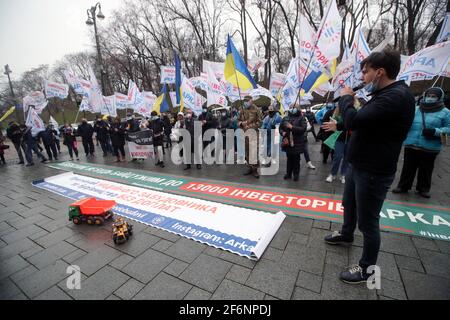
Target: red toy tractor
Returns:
[91, 211]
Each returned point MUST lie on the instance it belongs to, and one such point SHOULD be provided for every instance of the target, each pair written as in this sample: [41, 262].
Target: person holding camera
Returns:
[424, 143]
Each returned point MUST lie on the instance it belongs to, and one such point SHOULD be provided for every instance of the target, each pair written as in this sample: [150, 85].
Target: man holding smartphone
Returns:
[379, 129]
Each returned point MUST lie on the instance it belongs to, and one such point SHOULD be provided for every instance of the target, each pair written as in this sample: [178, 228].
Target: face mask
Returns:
[271, 114]
[155, 118]
[205, 111]
[372, 87]
[224, 115]
[188, 116]
[293, 111]
[431, 100]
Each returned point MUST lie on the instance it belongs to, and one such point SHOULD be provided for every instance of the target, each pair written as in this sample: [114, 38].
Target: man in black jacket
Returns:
[48, 139]
[15, 134]
[378, 132]
[86, 131]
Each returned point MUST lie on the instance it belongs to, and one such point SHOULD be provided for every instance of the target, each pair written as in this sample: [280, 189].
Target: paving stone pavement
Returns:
[38, 243]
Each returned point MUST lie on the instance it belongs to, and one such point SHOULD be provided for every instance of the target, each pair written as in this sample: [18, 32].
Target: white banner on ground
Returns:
[242, 231]
[168, 74]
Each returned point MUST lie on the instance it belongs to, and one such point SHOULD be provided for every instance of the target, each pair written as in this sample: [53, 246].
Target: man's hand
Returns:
[347, 92]
[329, 126]
[289, 126]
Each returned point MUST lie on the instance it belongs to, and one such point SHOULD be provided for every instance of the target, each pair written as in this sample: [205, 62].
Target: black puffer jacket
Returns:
[298, 130]
[14, 133]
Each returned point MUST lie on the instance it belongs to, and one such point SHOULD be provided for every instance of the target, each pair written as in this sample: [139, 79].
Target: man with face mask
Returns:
[250, 119]
[424, 143]
[270, 122]
[86, 131]
[157, 126]
[379, 129]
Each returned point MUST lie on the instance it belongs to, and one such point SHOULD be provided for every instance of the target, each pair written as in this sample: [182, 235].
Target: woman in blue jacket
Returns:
[424, 143]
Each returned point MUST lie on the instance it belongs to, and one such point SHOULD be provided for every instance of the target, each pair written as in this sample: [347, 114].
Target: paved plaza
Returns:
[38, 243]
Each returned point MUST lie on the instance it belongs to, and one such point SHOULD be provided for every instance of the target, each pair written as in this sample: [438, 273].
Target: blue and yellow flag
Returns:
[178, 79]
[162, 104]
[236, 71]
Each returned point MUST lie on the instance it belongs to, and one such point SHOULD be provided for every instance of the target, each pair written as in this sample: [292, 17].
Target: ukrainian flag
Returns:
[161, 104]
[236, 71]
[8, 113]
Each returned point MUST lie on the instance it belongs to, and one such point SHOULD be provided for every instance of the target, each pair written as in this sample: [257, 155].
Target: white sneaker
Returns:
[311, 166]
[343, 180]
[330, 178]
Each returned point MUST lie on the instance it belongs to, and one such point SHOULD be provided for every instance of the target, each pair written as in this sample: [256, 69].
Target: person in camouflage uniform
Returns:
[250, 118]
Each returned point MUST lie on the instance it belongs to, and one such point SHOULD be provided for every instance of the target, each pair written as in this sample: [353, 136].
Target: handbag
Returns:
[425, 127]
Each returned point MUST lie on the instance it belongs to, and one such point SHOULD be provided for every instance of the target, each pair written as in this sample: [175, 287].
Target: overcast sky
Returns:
[35, 32]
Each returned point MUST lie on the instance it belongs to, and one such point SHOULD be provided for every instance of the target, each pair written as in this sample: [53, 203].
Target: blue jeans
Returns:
[363, 200]
[340, 159]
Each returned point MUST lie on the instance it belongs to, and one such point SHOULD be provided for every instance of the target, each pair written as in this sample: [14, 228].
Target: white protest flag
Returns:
[86, 106]
[384, 43]
[446, 72]
[328, 37]
[56, 90]
[217, 67]
[343, 77]
[255, 63]
[296, 73]
[277, 81]
[307, 37]
[96, 96]
[429, 62]
[200, 82]
[122, 102]
[149, 101]
[136, 99]
[74, 82]
[216, 99]
[444, 35]
[109, 106]
[214, 85]
[168, 75]
[36, 99]
[323, 89]
[35, 122]
[360, 51]
[189, 96]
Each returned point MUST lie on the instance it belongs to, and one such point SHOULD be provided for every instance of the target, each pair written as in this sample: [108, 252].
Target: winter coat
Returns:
[379, 128]
[439, 120]
[117, 134]
[298, 131]
[102, 130]
[14, 133]
[69, 136]
[85, 131]
[47, 137]
[157, 126]
[252, 116]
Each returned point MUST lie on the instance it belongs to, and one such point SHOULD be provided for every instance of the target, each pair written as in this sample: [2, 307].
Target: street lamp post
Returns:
[8, 72]
[92, 21]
